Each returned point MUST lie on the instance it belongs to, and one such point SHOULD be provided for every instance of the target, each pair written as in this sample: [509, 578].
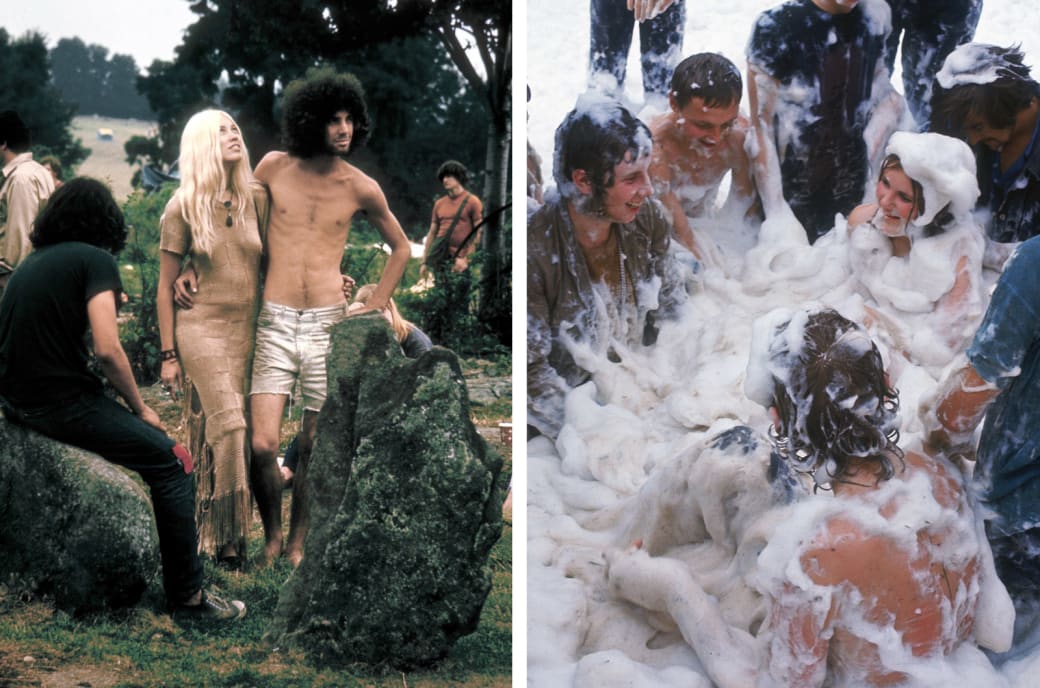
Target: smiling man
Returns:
[984, 95]
[314, 195]
[598, 267]
[698, 142]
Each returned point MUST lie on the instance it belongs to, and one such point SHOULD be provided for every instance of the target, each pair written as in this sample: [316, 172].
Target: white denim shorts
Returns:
[292, 344]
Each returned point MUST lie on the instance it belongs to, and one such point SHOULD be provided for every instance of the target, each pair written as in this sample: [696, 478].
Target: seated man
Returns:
[68, 285]
[598, 265]
[984, 94]
[698, 142]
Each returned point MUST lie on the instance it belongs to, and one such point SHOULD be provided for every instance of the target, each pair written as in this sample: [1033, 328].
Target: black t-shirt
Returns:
[43, 322]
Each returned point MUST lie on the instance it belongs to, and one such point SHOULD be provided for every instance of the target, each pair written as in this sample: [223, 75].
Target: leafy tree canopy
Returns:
[95, 83]
[26, 84]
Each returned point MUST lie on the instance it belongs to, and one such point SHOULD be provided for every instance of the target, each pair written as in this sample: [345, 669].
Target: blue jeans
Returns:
[660, 43]
[100, 425]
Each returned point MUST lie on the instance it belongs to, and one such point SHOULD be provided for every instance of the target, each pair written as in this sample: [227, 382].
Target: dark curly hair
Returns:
[82, 209]
[453, 168]
[311, 102]
[836, 405]
[594, 137]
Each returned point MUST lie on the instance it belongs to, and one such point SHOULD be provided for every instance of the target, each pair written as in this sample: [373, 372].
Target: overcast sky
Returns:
[144, 29]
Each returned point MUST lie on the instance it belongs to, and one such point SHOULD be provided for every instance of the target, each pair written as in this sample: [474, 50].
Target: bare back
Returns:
[312, 204]
[927, 592]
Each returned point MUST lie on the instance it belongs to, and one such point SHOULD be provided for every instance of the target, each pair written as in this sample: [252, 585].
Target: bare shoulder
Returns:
[270, 164]
[861, 215]
[364, 188]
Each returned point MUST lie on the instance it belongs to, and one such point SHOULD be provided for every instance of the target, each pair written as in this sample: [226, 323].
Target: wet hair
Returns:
[708, 76]
[13, 132]
[942, 220]
[453, 168]
[309, 105]
[835, 407]
[998, 102]
[55, 165]
[595, 137]
[82, 209]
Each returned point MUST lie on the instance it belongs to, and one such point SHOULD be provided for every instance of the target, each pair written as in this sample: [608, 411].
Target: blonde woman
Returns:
[217, 218]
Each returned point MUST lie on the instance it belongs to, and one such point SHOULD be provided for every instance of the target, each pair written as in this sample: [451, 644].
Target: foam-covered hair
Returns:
[826, 379]
[943, 166]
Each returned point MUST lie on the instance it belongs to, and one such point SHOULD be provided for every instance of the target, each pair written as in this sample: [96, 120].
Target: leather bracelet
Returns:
[168, 355]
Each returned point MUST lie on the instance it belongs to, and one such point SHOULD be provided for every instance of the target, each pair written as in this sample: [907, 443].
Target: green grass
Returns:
[145, 648]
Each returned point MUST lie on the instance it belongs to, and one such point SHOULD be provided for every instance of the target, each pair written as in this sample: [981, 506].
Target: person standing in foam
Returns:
[879, 584]
[916, 253]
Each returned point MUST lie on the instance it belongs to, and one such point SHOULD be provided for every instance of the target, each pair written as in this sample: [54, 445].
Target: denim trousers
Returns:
[660, 43]
[98, 424]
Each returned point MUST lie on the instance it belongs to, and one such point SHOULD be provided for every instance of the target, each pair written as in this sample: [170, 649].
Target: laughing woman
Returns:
[217, 218]
[917, 252]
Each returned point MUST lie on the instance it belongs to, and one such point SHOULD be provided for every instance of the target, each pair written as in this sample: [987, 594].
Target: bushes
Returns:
[452, 312]
[140, 270]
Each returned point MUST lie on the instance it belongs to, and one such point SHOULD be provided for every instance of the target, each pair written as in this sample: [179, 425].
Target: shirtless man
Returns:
[698, 142]
[314, 195]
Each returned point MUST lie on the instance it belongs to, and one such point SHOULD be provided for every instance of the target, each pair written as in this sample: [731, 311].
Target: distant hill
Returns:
[107, 160]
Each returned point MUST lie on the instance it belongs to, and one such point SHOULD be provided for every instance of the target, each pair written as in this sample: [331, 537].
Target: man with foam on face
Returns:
[598, 266]
[697, 142]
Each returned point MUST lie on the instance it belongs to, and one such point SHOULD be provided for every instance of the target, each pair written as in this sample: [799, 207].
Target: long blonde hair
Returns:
[398, 324]
[203, 177]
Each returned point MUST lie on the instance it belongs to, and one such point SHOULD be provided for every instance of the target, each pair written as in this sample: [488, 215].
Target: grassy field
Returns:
[143, 647]
[107, 160]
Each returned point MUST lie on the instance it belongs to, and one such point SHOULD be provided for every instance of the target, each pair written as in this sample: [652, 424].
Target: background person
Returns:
[819, 146]
[610, 38]
[916, 253]
[985, 95]
[26, 187]
[697, 143]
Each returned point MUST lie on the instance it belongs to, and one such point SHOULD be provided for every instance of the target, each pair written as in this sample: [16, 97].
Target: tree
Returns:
[25, 81]
[488, 23]
[96, 84]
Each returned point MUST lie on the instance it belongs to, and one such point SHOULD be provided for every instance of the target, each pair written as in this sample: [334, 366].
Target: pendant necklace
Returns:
[227, 207]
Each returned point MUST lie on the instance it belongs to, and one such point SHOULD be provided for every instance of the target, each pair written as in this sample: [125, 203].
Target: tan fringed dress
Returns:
[215, 341]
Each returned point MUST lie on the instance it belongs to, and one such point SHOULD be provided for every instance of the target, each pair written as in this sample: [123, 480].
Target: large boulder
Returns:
[406, 505]
[75, 526]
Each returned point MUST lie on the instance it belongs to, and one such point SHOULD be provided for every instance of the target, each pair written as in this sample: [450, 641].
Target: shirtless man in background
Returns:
[314, 195]
[698, 142]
